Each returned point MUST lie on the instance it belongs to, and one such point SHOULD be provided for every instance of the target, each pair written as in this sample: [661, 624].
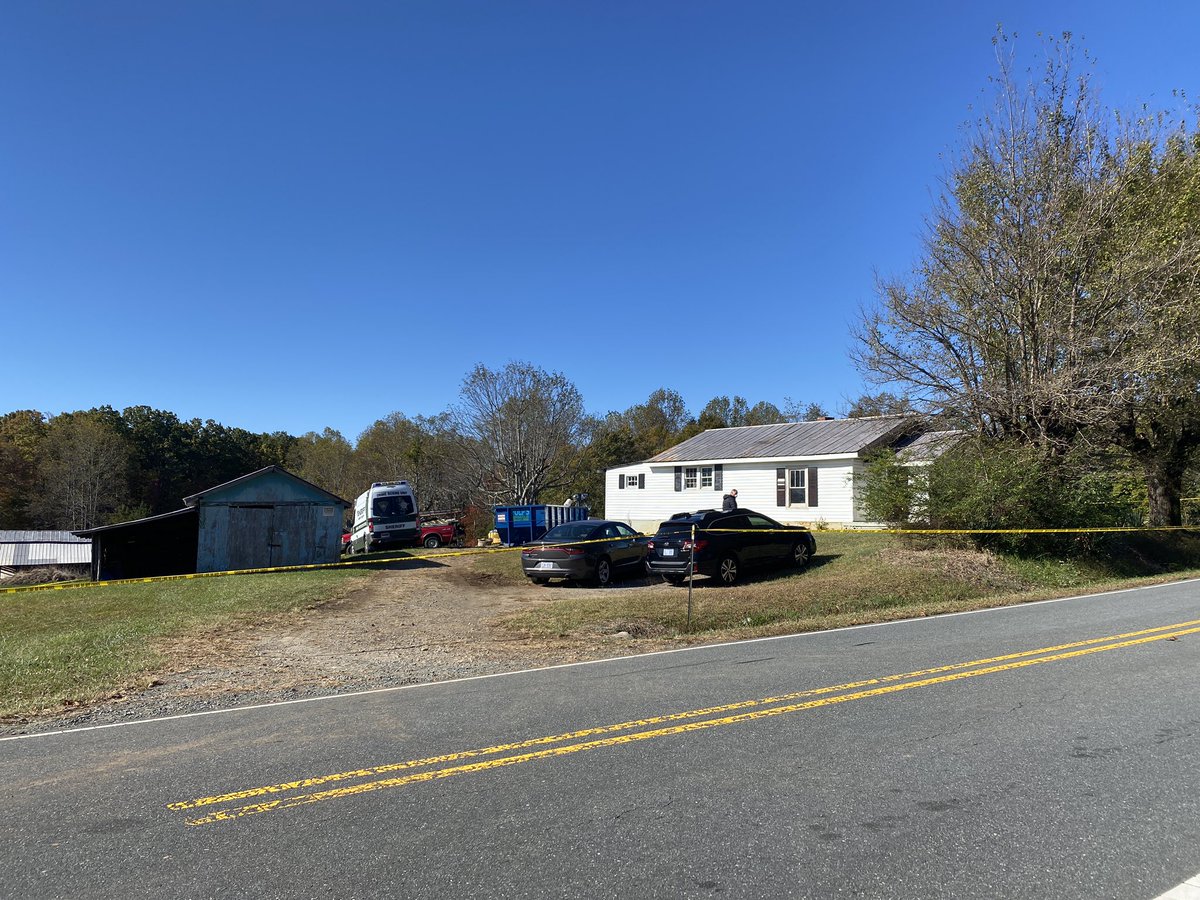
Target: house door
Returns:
[252, 542]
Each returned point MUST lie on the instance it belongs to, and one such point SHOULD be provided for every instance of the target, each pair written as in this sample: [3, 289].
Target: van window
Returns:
[386, 507]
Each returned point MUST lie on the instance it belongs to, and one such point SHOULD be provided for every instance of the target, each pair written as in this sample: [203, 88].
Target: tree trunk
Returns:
[1164, 487]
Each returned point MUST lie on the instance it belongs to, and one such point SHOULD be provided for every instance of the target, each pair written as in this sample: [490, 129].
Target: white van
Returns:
[385, 517]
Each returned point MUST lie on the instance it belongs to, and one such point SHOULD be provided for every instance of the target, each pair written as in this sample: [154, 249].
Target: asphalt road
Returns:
[1049, 750]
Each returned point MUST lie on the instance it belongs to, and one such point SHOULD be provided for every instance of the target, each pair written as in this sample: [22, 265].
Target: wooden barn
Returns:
[266, 518]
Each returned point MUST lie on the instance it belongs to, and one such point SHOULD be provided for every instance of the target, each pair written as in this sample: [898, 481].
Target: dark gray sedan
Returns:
[594, 551]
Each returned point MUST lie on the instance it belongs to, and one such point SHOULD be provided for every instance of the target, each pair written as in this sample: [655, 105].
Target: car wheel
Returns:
[604, 572]
[727, 569]
[432, 541]
[800, 554]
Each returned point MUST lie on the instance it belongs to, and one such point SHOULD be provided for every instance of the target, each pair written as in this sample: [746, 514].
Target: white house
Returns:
[797, 472]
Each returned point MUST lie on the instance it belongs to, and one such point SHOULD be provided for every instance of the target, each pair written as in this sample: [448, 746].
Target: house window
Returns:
[796, 493]
[706, 475]
[689, 477]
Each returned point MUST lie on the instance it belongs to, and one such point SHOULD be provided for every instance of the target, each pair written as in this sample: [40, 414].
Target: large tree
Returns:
[327, 460]
[21, 435]
[82, 471]
[519, 430]
[424, 451]
[1158, 231]
[1032, 312]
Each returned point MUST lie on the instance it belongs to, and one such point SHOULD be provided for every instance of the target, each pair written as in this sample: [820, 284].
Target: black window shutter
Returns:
[679, 478]
[781, 487]
[620, 482]
[641, 480]
[718, 477]
[812, 485]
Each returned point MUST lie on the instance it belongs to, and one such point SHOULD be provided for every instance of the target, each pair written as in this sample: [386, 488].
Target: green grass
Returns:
[855, 579]
[69, 647]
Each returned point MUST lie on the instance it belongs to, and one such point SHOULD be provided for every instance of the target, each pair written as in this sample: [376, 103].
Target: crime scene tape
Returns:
[476, 551]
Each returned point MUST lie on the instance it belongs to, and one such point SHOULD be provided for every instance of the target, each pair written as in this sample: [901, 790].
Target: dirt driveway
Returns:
[429, 621]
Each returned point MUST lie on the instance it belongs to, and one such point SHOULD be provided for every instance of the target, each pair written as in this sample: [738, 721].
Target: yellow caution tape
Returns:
[475, 551]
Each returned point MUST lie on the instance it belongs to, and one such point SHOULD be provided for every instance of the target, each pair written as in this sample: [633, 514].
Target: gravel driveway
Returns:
[430, 621]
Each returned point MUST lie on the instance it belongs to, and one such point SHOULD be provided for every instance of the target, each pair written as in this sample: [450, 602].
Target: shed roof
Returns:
[43, 548]
[135, 522]
[790, 440]
[210, 493]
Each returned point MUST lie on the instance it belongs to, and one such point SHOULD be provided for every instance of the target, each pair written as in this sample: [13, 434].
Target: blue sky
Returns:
[293, 215]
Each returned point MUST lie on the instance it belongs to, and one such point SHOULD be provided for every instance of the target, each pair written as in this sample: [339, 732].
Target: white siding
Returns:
[644, 508]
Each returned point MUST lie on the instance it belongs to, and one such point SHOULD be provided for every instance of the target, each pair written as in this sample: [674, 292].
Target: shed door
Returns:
[252, 539]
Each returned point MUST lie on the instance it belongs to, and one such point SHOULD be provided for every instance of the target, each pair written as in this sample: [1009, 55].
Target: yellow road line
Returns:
[958, 671]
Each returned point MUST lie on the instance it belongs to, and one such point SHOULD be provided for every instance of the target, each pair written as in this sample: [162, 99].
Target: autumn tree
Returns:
[327, 460]
[1028, 315]
[21, 436]
[83, 471]
[1157, 234]
[518, 430]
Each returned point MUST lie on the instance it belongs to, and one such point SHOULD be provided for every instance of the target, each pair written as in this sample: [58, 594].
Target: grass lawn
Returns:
[68, 647]
[855, 578]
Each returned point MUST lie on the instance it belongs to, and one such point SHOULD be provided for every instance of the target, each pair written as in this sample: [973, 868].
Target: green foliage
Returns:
[1004, 485]
[892, 492]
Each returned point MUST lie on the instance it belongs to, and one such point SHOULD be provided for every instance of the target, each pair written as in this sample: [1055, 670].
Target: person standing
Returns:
[729, 501]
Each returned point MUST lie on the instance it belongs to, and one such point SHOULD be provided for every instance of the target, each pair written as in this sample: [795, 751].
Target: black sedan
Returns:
[590, 550]
[725, 544]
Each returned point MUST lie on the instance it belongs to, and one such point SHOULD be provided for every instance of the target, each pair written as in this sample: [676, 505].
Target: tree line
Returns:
[518, 434]
[1052, 314]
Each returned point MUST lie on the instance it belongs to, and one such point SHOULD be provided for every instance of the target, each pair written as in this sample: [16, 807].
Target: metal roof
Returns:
[928, 446]
[199, 496]
[43, 548]
[791, 440]
[159, 517]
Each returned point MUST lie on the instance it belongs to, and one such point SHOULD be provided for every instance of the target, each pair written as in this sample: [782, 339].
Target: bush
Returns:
[996, 485]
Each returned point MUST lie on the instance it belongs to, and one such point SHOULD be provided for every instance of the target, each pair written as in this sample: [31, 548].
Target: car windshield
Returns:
[570, 531]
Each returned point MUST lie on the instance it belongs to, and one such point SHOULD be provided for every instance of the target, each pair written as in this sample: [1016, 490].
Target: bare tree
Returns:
[519, 429]
[1028, 314]
[83, 473]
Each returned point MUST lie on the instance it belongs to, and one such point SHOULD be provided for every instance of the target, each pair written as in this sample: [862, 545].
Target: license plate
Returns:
[668, 551]
[545, 565]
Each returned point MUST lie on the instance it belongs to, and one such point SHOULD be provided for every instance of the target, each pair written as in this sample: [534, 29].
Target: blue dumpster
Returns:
[518, 525]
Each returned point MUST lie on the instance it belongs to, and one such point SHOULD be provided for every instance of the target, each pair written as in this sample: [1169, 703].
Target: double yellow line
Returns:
[290, 794]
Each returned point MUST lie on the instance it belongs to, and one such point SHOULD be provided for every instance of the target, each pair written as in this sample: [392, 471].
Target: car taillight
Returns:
[371, 525]
[695, 545]
[649, 545]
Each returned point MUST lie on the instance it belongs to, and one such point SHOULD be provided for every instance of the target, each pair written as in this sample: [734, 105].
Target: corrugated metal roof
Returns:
[791, 440]
[929, 446]
[43, 548]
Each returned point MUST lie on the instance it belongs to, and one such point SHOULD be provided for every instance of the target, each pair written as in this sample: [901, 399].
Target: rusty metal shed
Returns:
[259, 520]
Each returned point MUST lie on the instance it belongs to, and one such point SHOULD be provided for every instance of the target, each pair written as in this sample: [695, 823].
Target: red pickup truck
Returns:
[433, 535]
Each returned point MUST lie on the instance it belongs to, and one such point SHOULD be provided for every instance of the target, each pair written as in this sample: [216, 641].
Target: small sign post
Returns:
[691, 572]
